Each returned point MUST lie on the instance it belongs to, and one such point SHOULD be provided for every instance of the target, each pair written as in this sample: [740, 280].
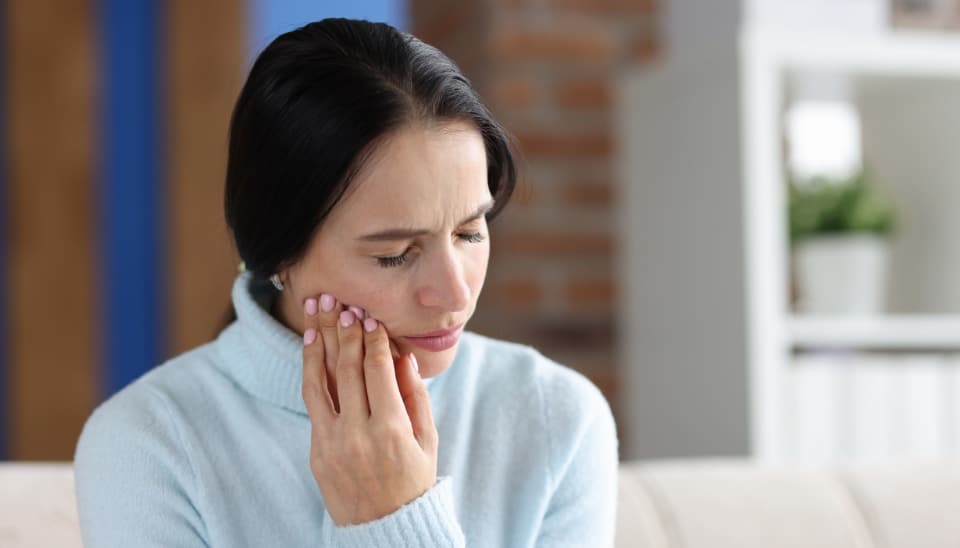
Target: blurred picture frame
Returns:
[925, 14]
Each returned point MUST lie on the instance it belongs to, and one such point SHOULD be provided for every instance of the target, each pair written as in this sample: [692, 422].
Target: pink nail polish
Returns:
[326, 302]
[310, 307]
[347, 318]
[369, 325]
[357, 311]
[309, 336]
[413, 362]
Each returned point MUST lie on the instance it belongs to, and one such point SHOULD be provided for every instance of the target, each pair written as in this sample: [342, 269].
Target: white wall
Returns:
[681, 265]
[818, 15]
[693, 26]
[911, 129]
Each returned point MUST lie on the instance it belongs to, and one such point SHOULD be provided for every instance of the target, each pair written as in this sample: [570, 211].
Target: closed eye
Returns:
[393, 261]
[471, 237]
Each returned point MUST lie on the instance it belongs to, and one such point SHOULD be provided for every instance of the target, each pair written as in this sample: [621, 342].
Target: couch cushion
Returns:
[638, 523]
[38, 506]
[736, 504]
[907, 506]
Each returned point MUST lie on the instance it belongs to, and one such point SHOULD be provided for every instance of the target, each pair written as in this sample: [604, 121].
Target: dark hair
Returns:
[317, 101]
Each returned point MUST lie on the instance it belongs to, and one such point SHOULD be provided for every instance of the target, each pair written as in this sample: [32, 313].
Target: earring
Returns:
[275, 279]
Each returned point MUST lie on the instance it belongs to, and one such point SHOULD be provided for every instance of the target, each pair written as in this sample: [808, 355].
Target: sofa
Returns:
[702, 503]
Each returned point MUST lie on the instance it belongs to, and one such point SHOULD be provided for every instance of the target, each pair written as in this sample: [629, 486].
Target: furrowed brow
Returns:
[395, 234]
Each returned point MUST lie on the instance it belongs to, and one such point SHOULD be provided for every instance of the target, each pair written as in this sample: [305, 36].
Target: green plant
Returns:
[822, 206]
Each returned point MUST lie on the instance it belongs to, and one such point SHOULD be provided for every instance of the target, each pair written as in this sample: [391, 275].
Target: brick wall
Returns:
[547, 69]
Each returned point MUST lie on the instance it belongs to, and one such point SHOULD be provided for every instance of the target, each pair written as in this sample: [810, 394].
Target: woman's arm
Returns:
[133, 478]
[430, 521]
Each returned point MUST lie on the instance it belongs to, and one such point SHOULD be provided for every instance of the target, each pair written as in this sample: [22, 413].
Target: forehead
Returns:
[420, 177]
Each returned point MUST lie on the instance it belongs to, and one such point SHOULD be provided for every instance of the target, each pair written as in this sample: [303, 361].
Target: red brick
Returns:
[644, 48]
[607, 7]
[512, 92]
[580, 194]
[591, 293]
[580, 144]
[442, 26]
[556, 244]
[556, 45]
[517, 294]
[523, 194]
[583, 94]
[607, 380]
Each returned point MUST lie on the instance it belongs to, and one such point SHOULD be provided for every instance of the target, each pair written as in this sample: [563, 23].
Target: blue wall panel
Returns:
[130, 195]
[270, 19]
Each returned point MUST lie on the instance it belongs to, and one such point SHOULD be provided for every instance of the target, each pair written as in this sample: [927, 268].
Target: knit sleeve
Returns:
[583, 465]
[428, 521]
[133, 478]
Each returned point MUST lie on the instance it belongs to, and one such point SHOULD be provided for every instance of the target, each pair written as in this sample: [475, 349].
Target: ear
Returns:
[286, 276]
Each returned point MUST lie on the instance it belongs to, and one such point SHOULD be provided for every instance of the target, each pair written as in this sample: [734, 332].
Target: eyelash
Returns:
[398, 260]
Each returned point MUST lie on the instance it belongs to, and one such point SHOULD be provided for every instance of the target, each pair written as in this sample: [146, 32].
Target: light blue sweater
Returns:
[211, 449]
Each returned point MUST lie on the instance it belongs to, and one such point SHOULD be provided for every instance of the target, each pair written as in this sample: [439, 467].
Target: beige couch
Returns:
[734, 504]
[666, 504]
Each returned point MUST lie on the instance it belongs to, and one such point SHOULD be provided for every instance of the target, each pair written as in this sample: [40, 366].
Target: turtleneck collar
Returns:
[262, 355]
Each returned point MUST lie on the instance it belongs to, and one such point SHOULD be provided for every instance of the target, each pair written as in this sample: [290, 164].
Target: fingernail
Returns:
[310, 306]
[326, 302]
[309, 336]
[346, 318]
[357, 311]
[369, 324]
[413, 362]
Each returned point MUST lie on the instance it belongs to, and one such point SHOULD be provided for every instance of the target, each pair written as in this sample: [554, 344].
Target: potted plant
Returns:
[839, 234]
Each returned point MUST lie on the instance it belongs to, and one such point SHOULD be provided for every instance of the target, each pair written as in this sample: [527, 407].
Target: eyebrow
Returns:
[406, 234]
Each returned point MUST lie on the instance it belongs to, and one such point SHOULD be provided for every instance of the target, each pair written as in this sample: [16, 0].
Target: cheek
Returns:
[359, 288]
[386, 303]
[475, 269]
[377, 302]
[394, 304]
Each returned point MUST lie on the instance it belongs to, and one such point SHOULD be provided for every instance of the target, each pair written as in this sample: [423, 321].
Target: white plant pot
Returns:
[842, 275]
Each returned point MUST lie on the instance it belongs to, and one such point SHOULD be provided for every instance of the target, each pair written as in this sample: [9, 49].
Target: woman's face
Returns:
[408, 242]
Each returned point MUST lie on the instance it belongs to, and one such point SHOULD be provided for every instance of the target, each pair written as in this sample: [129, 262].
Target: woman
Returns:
[346, 406]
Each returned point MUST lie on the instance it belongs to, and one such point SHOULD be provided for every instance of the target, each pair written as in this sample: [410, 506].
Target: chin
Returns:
[431, 363]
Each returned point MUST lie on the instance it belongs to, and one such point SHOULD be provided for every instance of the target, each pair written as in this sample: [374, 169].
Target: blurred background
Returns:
[738, 218]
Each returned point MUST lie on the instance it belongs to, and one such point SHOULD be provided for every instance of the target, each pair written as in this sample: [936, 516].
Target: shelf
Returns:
[904, 53]
[923, 333]
[736, 88]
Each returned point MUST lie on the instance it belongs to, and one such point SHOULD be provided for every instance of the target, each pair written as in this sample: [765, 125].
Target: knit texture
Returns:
[212, 448]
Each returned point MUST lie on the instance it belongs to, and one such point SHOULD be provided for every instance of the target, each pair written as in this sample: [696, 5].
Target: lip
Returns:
[437, 341]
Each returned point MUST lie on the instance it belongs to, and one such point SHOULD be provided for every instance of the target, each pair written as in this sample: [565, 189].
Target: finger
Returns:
[350, 383]
[358, 312]
[326, 325]
[394, 351]
[379, 373]
[416, 400]
[315, 391]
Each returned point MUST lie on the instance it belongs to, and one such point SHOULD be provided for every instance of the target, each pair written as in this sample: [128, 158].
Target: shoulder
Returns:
[543, 399]
[143, 412]
[565, 396]
[132, 445]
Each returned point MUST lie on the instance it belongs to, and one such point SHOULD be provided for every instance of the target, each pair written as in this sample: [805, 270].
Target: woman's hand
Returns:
[373, 443]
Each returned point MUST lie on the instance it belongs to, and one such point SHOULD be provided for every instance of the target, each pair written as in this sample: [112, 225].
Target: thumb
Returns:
[416, 399]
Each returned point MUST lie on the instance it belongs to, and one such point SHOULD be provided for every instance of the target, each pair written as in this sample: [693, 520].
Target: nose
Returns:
[444, 285]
